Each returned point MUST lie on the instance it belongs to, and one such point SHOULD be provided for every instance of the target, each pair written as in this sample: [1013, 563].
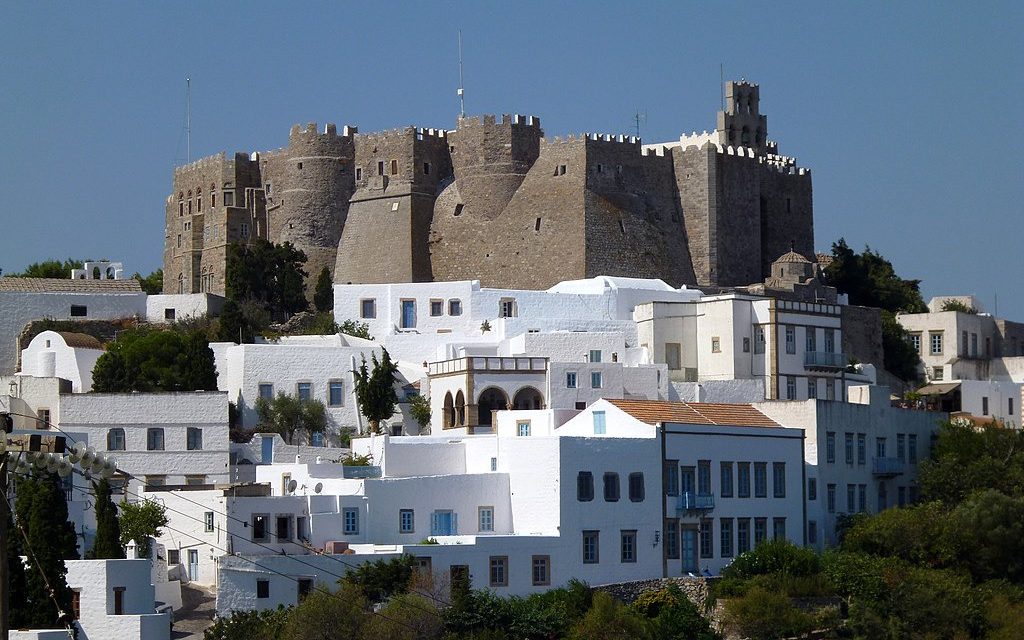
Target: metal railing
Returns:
[825, 359]
[360, 473]
[887, 466]
[693, 501]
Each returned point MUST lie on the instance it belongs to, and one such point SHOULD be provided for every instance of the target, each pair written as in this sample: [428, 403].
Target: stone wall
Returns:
[697, 589]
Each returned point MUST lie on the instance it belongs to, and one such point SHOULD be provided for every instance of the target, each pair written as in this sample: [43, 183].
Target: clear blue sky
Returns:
[908, 114]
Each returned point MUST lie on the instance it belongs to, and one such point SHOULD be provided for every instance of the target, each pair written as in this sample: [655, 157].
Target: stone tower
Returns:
[308, 185]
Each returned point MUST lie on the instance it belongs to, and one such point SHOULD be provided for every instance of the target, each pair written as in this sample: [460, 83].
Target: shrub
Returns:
[609, 619]
[764, 615]
[774, 557]
[381, 579]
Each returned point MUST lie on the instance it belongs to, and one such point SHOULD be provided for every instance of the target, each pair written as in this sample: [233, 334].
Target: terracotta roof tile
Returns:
[80, 340]
[61, 285]
[655, 411]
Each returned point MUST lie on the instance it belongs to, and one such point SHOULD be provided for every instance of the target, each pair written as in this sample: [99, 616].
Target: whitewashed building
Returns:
[167, 307]
[71, 356]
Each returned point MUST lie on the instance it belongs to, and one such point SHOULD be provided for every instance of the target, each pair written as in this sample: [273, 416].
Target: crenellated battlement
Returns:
[507, 119]
[389, 135]
[593, 137]
[311, 132]
[202, 164]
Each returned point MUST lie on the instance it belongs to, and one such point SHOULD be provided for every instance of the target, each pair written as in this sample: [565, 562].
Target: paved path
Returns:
[198, 606]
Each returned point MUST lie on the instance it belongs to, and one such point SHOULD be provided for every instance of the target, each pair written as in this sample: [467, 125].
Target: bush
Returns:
[326, 615]
[407, 616]
[764, 615]
[609, 619]
[381, 579]
[249, 625]
[774, 557]
[673, 615]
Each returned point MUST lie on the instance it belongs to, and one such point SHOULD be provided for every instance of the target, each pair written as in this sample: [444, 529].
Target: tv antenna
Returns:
[188, 120]
[638, 117]
[461, 92]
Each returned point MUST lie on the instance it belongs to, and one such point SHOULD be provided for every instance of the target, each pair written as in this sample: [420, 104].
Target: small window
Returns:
[79, 311]
[350, 521]
[380, 167]
[499, 571]
[716, 344]
[334, 393]
[263, 589]
[523, 428]
[458, 210]
[628, 546]
[426, 168]
[507, 308]
[591, 547]
[304, 390]
[229, 198]
[266, 391]
[485, 519]
[494, 464]
[115, 439]
[436, 307]
[600, 426]
[622, 227]
[570, 380]
[300, 166]
[368, 308]
[984, 405]
[118, 601]
[194, 439]
[455, 307]
[746, 345]
[637, 491]
[611, 487]
[536, 225]
[268, 189]
[195, 481]
[594, 355]
[260, 526]
[208, 521]
[406, 521]
[595, 380]
[394, 167]
[359, 173]
[585, 486]
[541, 570]
[169, 314]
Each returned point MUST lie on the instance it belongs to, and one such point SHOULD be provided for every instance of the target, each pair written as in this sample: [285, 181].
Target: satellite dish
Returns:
[292, 485]
[319, 487]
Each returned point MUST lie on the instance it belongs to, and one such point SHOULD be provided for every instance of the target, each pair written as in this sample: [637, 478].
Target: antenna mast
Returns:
[721, 83]
[461, 92]
[638, 117]
[188, 120]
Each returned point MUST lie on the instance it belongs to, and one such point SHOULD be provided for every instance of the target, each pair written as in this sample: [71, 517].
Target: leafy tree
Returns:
[987, 530]
[356, 329]
[917, 534]
[325, 615]
[140, 522]
[249, 625]
[49, 269]
[107, 544]
[966, 459]
[419, 408]
[375, 391]
[958, 305]
[233, 326]
[156, 360]
[765, 615]
[152, 284]
[42, 513]
[267, 273]
[323, 297]
[381, 579]
[609, 619]
[287, 414]
[870, 280]
[407, 616]
[17, 579]
[774, 557]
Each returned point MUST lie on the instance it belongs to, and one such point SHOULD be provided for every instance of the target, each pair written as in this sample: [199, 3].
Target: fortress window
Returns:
[344, 166]
[199, 204]
[229, 198]
[179, 240]
[181, 283]
[536, 225]
[190, 207]
[269, 188]
[560, 170]
[300, 166]
[181, 209]
[600, 167]
[213, 199]
[394, 167]
[359, 173]
[458, 209]
[380, 167]
[745, 136]
[426, 168]
[622, 227]
[789, 205]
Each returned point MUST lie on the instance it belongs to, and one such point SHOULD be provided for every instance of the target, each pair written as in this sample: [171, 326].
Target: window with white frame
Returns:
[591, 547]
[812, 341]
[935, 339]
[812, 388]
[154, 439]
[485, 519]
[600, 426]
[304, 390]
[266, 390]
[790, 388]
[627, 545]
[915, 342]
[115, 439]
[594, 355]
[759, 338]
[790, 339]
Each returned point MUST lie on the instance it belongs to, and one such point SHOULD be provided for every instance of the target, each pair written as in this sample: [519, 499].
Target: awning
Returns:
[939, 389]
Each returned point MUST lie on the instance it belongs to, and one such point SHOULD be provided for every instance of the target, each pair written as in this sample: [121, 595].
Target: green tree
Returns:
[774, 557]
[49, 269]
[917, 534]
[407, 616]
[140, 522]
[673, 615]
[288, 414]
[355, 329]
[419, 409]
[153, 284]
[375, 391]
[966, 459]
[323, 297]
[42, 513]
[987, 530]
[233, 326]
[958, 305]
[381, 579]
[249, 625]
[871, 281]
[107, 544]
[156, 360]
[17, 579]
[267, 273]
[326, 615]
[609, 619]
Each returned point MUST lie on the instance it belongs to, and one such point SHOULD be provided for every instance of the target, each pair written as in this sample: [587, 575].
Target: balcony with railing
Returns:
[693, 501]
[488, 363]
[360, 472]
[825, 361]
[887, 467]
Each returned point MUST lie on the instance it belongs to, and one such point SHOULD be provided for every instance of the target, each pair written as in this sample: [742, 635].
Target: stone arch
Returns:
[460, 409]
[449, 411]
[181, 283]
[528, 398]
[491, 399]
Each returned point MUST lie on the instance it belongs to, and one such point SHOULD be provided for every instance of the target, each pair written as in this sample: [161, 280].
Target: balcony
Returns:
[887, 467]
[488, 363]
[825, 361]
[360, 472]
[692, 501]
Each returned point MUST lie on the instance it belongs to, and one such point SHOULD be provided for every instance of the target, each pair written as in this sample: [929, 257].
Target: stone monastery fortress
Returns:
[494, 200]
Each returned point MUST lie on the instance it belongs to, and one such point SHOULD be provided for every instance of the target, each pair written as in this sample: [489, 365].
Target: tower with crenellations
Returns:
[496, 200]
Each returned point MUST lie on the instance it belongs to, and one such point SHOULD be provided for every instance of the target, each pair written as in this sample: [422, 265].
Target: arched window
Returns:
[115, 439]
[449, 411]
[491, 399]
[460, 409]
[528, 398]
[181, 283]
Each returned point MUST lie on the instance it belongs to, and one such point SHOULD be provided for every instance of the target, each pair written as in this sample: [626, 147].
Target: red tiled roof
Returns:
[62, 285]
[655, 411]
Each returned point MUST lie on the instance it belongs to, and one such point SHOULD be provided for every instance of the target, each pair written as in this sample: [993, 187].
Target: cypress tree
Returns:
[16, 580]
[323, 296]
[107, 544]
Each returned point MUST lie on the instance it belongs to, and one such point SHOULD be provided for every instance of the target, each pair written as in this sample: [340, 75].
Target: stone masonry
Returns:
[495, 200]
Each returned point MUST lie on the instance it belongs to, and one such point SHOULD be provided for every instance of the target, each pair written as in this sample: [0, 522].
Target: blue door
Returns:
[193, 565]
[267, 452]
[690, 551]
[408, 314]
[443, 523]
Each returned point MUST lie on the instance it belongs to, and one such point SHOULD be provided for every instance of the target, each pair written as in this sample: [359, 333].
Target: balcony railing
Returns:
[360, 472]
[825, 360]
[488, 363]
[887, 467]
[692, 501]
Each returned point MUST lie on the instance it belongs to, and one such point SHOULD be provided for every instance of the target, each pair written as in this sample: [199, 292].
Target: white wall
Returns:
[182, 306]
[48, 355]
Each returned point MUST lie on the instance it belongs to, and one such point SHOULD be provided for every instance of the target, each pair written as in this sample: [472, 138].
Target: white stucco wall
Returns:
[182, 306]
